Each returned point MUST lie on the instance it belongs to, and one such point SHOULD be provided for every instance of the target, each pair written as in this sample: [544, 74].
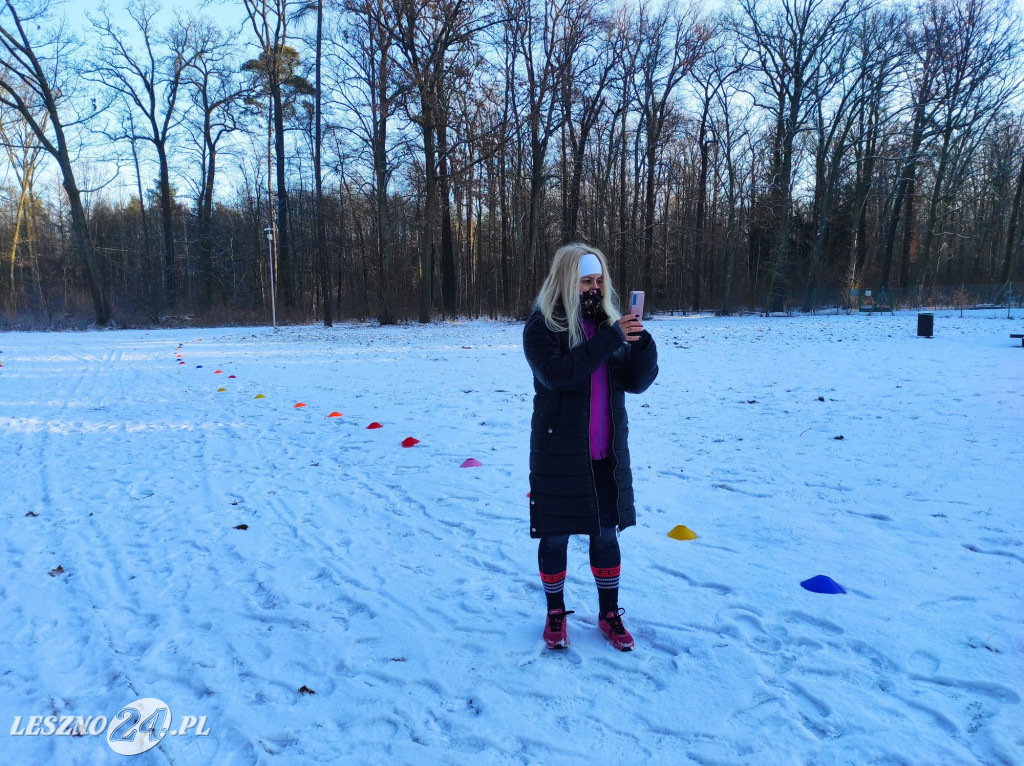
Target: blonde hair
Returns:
[559, 296]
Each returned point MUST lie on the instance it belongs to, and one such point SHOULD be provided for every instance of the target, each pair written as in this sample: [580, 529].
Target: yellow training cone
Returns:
[221, 389]
[259, 396]
[682, 533]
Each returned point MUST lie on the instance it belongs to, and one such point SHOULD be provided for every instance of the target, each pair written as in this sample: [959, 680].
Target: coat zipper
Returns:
[615, 459]
[590, 452]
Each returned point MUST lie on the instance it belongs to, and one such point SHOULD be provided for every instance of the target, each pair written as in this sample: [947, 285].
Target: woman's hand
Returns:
[631, 327]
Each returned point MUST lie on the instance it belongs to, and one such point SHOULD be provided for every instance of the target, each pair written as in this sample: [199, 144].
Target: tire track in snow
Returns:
[100, 675]
[343, 594]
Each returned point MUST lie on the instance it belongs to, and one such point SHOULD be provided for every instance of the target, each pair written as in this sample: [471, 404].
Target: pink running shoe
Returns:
[610, 624]
[555, 635]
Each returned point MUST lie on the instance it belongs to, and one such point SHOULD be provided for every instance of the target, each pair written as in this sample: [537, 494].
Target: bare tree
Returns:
[23, 153]
[789, 47]
[432, 37]
[363, 49]
[36, 79]
[1011, 234]
[977, 72]
[216, 93]
[149, 83]
[315, 8]
[584, 94]
[922, 43]
[880, 57]
[277, 71]
[729, 127]
[709, 76]
[672, 41]
[543, 37]
[836, 97]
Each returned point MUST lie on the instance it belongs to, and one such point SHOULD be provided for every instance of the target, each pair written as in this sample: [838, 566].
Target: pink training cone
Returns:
[471, 463]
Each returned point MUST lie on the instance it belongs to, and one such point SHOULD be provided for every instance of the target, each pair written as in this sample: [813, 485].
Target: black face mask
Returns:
[590, 304]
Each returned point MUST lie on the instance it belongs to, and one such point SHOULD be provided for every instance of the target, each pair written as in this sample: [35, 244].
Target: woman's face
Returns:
[591, 281]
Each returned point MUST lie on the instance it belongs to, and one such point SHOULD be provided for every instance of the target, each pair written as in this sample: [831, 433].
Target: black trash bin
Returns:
[925, 323]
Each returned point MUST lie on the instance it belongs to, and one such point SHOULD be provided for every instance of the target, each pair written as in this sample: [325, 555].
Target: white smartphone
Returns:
[636, 303]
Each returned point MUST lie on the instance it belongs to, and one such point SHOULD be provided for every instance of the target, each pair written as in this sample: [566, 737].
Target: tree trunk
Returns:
[1011, 234]
[167, 228]
[620, 274]
[322, 260]
[572, 227]
[385, 313]
[150, 290]
[908, 226]
[931, 265]
[865, 162]
[448, 279]
[649, 200]
[80, 231]
[206, 225]
[702, 194]
[285, 266]
[780, 252]
[429, 213]
[528, 279]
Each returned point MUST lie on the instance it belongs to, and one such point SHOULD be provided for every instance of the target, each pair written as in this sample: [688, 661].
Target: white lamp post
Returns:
[270, 250]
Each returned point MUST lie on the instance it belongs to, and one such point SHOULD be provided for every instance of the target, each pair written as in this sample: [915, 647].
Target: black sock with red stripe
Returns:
[552, 556]
[606, 565]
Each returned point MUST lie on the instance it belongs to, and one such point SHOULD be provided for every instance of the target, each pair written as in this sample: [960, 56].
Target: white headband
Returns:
[590, 264]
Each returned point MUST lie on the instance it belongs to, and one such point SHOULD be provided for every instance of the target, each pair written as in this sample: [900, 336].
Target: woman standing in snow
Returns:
[584, 356]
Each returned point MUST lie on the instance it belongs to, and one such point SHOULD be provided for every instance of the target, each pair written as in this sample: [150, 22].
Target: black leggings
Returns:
[552, 554]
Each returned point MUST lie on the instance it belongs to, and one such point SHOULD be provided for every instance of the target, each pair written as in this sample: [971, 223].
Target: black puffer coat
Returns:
[563, 499]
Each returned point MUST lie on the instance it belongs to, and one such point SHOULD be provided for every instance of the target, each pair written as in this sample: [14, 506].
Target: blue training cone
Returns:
[823, 584]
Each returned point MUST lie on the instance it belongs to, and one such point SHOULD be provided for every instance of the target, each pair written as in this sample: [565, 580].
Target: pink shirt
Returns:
[600, 405]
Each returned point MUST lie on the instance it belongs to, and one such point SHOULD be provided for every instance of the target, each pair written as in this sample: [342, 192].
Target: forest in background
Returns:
[419, 159]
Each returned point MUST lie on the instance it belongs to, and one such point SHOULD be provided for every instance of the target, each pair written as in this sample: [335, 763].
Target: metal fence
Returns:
[1007, 295]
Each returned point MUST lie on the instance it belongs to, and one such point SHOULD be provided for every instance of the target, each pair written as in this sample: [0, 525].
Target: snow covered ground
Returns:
[402, 590]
